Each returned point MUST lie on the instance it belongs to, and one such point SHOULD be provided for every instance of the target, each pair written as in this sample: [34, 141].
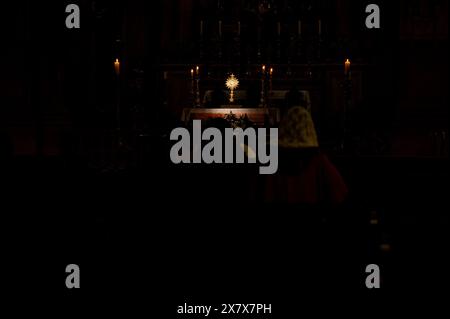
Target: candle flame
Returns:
[117, 66]
[347, 67]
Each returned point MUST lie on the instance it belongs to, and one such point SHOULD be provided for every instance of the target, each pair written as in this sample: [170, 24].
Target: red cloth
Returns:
[313, 181]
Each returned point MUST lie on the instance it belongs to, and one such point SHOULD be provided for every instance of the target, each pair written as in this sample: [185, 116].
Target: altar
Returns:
[259, 116]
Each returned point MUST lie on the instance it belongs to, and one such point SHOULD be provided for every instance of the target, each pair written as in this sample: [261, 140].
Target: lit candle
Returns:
[192, 85]
[117, 67]
[320, 27]
[347, 67]
[270, 80]
[263, 87]
[299, 27]
[197, 70]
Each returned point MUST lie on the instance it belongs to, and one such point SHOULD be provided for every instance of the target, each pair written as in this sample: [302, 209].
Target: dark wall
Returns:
[55, 80]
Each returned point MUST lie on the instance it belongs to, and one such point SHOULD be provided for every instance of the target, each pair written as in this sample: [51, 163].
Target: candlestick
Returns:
[117, 67]
[263, 87]
[197, 87]
[118, 111]
[197, 95]
[348, 98]
[270, 81]
[347, 67]
[193, 87]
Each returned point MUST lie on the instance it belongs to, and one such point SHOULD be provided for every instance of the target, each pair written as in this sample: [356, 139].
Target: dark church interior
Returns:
[86, 175]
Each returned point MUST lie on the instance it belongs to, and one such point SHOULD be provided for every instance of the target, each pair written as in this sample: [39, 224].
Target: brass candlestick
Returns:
[192, 87]
[263, 87]
[197, 87]
[347, 100]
